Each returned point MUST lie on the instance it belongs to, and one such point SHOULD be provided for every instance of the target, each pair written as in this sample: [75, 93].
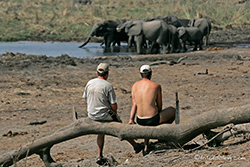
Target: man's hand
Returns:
[114, 107]
[131, 122]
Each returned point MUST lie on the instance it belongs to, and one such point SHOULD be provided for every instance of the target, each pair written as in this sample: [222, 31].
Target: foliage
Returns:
[63, 21]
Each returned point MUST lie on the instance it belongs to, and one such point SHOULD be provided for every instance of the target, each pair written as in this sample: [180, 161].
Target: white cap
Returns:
[102, 67]
[145, 69]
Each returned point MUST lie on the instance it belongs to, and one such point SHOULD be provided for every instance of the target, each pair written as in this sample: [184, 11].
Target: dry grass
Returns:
[61, 20]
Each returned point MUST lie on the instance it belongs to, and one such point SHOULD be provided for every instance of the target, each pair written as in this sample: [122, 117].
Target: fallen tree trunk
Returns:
[178, 134]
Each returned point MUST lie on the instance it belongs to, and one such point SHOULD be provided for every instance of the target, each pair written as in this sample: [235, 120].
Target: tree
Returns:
[178, 134]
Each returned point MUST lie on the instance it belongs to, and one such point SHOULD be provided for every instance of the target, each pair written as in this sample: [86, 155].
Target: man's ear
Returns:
[106, 76]
[150, 76]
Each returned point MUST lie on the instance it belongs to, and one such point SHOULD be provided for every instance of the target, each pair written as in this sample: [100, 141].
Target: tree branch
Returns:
[178, 134]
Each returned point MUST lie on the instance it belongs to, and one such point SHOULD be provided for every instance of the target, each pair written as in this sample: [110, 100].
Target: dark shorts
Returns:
[154, 121]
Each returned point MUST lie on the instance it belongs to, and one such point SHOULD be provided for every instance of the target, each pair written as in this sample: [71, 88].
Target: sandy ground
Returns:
[40, 88]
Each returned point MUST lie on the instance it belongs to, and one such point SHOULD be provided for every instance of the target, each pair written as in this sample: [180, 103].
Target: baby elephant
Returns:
[190, 34]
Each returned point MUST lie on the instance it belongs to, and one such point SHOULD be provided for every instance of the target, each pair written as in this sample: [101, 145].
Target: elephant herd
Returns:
[166, 34]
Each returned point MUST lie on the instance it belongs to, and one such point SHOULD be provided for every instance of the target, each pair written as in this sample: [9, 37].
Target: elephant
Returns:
[173, 20]
[170, 20]
[85, 2]
[204, 25]
[174, 39]
[107, 30]
[131, 38]
[156, 31]
[190, 34]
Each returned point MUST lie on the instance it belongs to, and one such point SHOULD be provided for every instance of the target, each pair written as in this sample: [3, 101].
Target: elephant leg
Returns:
[105, 41]
[139, 40]
[195, 46]
[164, 49]
[107, 50]
[147, 44]
[153, 46]
[206, 41]
[171, 47]
[118, 43]
[108, 44]
[203, 41]
[108, 40]
[184, 46]
[157, 48]
[131, 41]
[177, 47]
[200, 46]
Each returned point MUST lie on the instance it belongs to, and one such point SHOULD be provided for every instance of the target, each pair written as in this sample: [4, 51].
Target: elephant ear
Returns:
[100, 26]
[109, 25]
[198, 22]
[134, 29]
[181, 31]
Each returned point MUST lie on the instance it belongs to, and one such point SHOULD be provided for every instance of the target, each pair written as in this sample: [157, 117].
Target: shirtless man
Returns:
[147, 104]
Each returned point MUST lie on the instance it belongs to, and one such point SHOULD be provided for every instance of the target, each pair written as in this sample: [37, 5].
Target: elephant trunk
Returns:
[86, 42]
[119, 29]
[122, 26]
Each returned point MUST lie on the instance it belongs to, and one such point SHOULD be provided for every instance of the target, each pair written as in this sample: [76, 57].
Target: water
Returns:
[242, 45]
[55, 49]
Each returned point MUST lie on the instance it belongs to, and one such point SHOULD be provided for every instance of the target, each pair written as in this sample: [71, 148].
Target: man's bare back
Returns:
[147, 101]
[147, 97]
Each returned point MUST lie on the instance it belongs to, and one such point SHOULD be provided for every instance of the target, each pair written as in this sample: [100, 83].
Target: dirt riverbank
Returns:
[40, 88]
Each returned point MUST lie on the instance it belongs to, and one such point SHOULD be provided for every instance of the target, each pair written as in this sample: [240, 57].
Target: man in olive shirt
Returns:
[147, 103]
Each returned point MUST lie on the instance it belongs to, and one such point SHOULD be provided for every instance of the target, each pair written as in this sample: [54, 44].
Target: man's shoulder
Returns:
[148, 81]
[105, 83]
[143, 83]
[99, 80]
[92, 80]
[154, 85]
[157, 84]
[136, 83]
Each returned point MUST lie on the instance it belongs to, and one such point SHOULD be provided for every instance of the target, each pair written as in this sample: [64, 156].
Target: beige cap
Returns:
[145, 69]
[102, 67]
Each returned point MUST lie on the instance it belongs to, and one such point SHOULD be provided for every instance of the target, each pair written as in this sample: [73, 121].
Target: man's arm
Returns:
[133, 109]
[112, 99]
[159, 99]
[114, 107]
[132, 114]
